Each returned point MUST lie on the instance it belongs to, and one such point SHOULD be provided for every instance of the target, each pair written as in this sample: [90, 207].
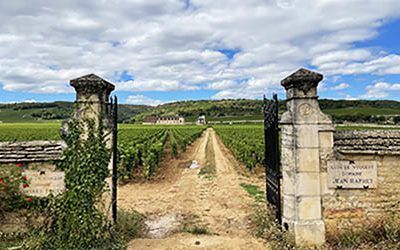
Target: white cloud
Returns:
[379, 65]
[221, 85]
[340, 86]
[340, 56]
[30, 101]
[381, 90]
[168, 46]
[143, 100]
[350, 97]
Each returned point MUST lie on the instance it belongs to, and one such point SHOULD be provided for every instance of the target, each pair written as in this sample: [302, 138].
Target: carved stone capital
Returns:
[90, 85]
[302, 79]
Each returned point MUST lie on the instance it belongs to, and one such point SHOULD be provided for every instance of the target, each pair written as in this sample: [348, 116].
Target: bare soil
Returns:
[214, 202]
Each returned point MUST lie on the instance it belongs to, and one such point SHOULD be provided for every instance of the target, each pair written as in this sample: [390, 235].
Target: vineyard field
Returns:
[245, 141]
[143, 146]
[29, 131]
[138, 145]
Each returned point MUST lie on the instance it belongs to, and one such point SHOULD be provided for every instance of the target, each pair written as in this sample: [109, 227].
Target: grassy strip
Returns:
[209, 170]
[253, 191]
[263, 222]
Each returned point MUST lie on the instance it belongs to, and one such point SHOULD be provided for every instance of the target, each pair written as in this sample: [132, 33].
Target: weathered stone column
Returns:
[92, 101]
[92, 98]
[304, 130]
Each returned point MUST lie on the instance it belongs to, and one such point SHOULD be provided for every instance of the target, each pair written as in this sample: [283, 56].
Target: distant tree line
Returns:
[221, 108]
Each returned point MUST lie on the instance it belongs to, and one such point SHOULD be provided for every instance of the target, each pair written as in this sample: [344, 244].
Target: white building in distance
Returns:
[201, 120]
[164, 120]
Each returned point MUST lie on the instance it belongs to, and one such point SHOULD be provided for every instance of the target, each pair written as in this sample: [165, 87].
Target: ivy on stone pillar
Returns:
[92, 102]
[302, 125]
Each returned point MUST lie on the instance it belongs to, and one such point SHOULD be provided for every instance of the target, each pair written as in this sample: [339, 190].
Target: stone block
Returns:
[307, 136]
[308, 184]
[287, 158]
[310, 233]
[308, 208]
[326, 139]
[307, 160]
[288, 182]
[324, 184]
[289, 207]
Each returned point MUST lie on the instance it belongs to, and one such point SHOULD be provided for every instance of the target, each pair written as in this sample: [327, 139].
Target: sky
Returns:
[158, 51]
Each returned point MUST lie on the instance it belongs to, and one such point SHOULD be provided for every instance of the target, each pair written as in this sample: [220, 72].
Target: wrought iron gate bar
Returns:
[272, 158]
[114, 120]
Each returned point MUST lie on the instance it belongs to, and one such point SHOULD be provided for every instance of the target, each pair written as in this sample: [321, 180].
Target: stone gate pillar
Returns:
[92, 98]
[305, 132]
[92, 101]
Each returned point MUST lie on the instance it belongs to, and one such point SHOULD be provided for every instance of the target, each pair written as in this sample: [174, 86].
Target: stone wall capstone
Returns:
[31, 151]
[380, 142]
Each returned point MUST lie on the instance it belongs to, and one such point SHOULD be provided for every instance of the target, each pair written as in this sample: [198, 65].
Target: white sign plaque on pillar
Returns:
[352, 174]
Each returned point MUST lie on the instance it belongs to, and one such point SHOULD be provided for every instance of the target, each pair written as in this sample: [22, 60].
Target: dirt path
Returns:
[216, 203]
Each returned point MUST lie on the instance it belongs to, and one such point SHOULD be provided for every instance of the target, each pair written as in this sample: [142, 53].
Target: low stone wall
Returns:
[39, 159]
[345, 207]
[32, 151]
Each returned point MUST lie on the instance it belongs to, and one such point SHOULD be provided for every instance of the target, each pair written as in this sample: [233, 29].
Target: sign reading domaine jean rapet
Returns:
[42, 183]
[352, 174]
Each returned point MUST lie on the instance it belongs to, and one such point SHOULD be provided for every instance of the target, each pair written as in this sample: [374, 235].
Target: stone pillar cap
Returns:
[302, 79]
[91, 84]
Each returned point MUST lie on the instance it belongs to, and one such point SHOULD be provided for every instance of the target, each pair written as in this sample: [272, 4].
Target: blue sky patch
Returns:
[229, 53]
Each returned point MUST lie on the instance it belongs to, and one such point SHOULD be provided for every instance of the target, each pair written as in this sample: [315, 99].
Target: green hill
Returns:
[215, 110]
[55, 111]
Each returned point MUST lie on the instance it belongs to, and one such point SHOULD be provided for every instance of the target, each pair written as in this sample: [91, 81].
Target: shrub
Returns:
[12, 180]
[130, 225]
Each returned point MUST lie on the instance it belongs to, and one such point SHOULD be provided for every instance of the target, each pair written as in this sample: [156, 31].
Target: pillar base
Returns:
[309, 233]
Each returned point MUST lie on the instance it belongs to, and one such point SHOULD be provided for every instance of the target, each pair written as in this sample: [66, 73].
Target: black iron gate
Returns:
[114, 126]
[272, 157]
